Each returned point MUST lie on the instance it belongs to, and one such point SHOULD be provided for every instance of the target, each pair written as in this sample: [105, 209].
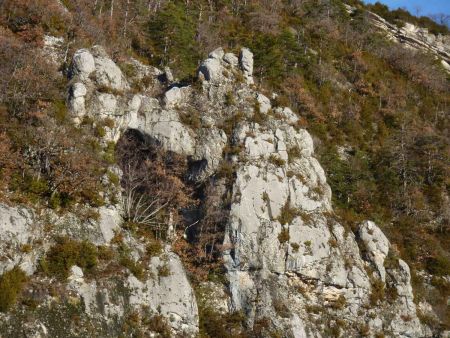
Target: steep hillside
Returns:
[293, 182]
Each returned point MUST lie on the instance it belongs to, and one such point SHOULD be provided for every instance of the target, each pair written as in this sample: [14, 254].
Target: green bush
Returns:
[283, 236]
[11, 284]
[276, 160]
[293, 153]
[219, 325]
[60, 110]
[339, 303]
[164, 270]
[113, 178]
[229, 99]
[154, 247]
[60, 200]
[175, 25]
[259, 117]
[109, 154]
[158, 324]
[29, 188]
[135, 267]
[438, 265]
[66, 253]
[295, 247]
[226, 170]
[287, 214]
[100, 131]
[378, 292]
[191, 119]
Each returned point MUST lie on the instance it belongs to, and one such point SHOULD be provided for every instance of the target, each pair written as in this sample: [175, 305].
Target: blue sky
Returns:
[426, 6]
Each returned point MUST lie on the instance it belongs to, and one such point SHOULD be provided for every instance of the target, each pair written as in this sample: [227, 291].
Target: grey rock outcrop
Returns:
[284, 238]
[102, 301]
[18, 231]
[246, 63]
[282, 232]
[107, 73]
[211, 68]
[83, 63]
[288, 257]
[413, 37]
[376, 245]
[171, 295]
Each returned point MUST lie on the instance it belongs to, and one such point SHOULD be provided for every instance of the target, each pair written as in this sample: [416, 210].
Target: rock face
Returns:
[103, 301]
[17, 233]
[376, 244]
[169, 295]
[414, 37]
[289, 261]
[246, 63]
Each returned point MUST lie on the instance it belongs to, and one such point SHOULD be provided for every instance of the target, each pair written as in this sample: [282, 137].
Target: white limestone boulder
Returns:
[83, 63]
[108, 74]
[264, 103]
[231, 59]
[246, 63]
[176, 96]
[376, 245]
[211, 70]
[218, 53]
[166, 127]
[209, 147]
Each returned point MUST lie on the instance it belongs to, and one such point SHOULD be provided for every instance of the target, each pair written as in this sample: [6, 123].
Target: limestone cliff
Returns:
[290, 264]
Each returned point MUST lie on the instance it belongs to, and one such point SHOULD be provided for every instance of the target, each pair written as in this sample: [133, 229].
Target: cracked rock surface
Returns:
[288, 259]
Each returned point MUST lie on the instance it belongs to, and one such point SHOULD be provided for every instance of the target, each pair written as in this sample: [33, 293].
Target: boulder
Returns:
[79, 90]
[231, 59]
[217, 53]
[209, 148]
[165, 126]
[376, 245]
[288, 115]
[264, 103]
[106, 105]
[211, 70]
[75, 273]
[246, 63]
[175, 96]
[108, 74]
[83, 63]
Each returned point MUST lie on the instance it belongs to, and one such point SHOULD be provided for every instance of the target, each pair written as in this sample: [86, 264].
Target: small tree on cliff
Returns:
[153, 193]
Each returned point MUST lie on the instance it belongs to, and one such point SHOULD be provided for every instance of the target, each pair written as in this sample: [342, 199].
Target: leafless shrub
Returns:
[153, 189]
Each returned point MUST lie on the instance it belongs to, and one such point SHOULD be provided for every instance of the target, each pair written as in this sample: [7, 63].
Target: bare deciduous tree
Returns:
[140, 207]
[154, 193]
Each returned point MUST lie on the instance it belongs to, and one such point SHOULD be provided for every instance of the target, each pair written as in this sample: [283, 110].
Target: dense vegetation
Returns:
[379, 112]
[11, 284]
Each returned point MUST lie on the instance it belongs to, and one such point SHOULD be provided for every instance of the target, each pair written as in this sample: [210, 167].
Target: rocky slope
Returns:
[414, 37]
[292, 268]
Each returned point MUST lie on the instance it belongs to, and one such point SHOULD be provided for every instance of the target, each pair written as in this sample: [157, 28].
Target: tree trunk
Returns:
[112, 9]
